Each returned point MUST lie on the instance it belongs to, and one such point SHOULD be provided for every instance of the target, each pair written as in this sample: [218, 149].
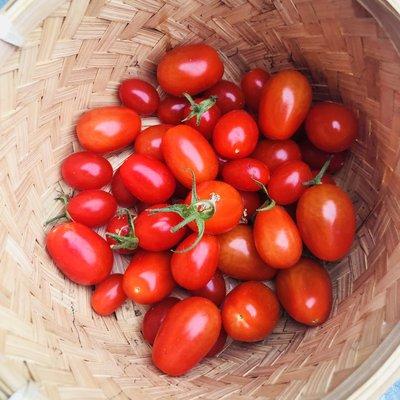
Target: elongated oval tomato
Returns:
[189, 69]
[214, 290]
[185, 150]
[120, 192]
[106, 129]
[170, 110]
[305, 292]
[229, 96]
[252, 85]
[147, 178]
[108, 295]
[188, 333]
[285, 101]
[194, 268]
[79, 253]
[149, 141]
[277, 238]
[326, 220]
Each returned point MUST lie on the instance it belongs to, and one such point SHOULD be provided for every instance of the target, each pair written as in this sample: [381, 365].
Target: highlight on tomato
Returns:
[214, 290]
[170, 110]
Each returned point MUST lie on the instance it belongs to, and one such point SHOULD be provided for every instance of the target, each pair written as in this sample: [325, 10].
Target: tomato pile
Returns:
[234, 182]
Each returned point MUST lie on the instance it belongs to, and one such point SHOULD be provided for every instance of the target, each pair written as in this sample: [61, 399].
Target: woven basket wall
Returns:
[74, 60]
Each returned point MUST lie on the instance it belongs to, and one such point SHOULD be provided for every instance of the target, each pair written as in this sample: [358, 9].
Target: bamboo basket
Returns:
[59, 58]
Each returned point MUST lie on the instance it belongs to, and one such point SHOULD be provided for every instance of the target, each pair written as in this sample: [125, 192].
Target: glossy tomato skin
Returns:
[106, 129]
[238, 257]
[251, 201]
[325, 179]
[147, 178]
[219, 344]
[250, 312]
[189, 69]
[120, 192]
[235, 135]
[229, 96]
[214, 290]
[185, 150]
[277, 238]
[149, 141]
[252, 85]
[170, 110]
[155, 316]
[284, 104]
[242, 173]
[154, 230]
[286, 183]
[119, 225]
[139, 95]
[89, 259]
[331, 127]
[85, 170]
[326, 220]
[148, 278]
[92, 207]
[188, 333]
[305, 292]
[193, 269]
[108, 295]
[274, 153]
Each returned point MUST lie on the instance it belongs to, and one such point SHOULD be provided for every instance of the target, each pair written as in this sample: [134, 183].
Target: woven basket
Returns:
[59, 58]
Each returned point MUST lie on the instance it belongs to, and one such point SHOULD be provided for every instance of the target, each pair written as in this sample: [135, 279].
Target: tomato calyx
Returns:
[64, 198]
[128, 242]
[198, 109]
[269, 202]
[317, 180]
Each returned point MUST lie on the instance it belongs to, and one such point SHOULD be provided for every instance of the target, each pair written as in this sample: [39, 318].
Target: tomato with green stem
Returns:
[120, 233]
[121, 194]
[214, 290]
[252, 85]
[149, 141]
[229, 96]
[170, 110]
[251, 202]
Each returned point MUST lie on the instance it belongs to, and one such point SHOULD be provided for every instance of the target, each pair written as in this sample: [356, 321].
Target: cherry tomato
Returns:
[108, 295]
[148, 277]
[251, 201]
[149, 141]
[229, 96]
[155, 316]
[139, 96]
[277, 238]
[284, 103]
[326, 221]
[252, 85]
[305, 292]
[188, 333]
[85, 170]
[189, 69]
[170, 110]
[214, 290]
[250, 312]
[120, 233]
[154, 230]
[219, 344]
[331, 127]
[121, 194]
[79, 253]
[325, 179]
[147, 178]
[185, 150]
[274, 153]
[106, 129]
[235, 135]
[286, 183]
[242, 173]
[238, 257]
[92, 207]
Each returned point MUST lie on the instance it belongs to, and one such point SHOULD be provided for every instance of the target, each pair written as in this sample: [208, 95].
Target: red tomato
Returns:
[148, 277]
[251, 201]
[170, 110]
[185, 150]
[139, 96]
[274, 153]
[149, 141]
[277, 238]
[284, 103]
[250, 312]
[91, 207]
[326, 221]
[252, 85]
[218, 345]
[325, 179]
[79, 253]
[331, 127]
[154, 230]
[188, 333]
[305, 292]
[238, 257]
[85, 170]
[106, 129]
[147, 178]
[189, 69]
[121, 194]
[229, 96]
[214, 290]
[108, 295]
[120, 233]
[242, 173]
[155, 316]
[235, 135]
